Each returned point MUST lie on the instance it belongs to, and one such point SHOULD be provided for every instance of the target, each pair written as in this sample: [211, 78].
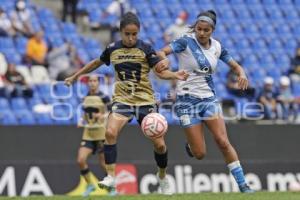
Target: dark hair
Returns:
[129, 18]
[209, 13]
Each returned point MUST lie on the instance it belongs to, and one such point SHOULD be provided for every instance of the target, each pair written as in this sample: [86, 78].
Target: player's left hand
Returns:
[162, 65]
[242, 82]
[181, 75]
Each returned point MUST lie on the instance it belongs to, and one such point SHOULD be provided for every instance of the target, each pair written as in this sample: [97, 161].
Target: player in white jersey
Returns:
[196, 102]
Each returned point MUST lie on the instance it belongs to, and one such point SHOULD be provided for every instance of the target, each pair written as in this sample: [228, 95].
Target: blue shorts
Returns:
[192, 110]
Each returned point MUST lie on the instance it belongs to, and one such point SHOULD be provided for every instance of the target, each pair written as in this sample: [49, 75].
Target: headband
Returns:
[207, 19]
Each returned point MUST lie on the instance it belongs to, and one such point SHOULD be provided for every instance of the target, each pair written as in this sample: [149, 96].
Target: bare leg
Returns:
[195, 138]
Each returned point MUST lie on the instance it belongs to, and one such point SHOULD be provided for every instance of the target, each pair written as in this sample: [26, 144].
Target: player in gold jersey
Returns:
[94, 122]
[133, 96]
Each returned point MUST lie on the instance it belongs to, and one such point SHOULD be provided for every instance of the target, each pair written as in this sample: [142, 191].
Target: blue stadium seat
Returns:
[4, 104]
[259, 46]
[25, 117]
[268, 2]
[21, 43]
[274, 72]
[62, 115]
[222, 92]
[250, 60]
[267, 30]
[43, 119]
[81, 89]
[290, 46]
[296, 89]
[13, 57]
[33, 101]
[6, 44]
[236, 2]
[285, 2]
[18, 103]
[258, 76]
[103, 4]
[274, 45]
[61, 90]
[7, 118]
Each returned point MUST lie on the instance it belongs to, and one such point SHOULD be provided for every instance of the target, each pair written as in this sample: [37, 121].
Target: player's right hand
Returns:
[69, 80]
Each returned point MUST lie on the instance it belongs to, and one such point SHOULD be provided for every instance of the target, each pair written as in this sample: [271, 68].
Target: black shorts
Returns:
[96, 146]
[130, 111]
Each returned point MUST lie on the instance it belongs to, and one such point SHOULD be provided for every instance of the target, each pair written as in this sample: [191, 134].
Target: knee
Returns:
[199, 154]
[81, 161]
[223, 144]
[160, 148]
[110, 134]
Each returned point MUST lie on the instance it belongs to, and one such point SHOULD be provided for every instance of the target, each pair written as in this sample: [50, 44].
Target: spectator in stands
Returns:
[70, 7]
[63, 61]
[6, 28]
[16, 83]
[233, 87]
[36, 50]
[108, 86]
[21, 19]
[177, 29]
[117, 8]
[295, 67]
[267, 98]
[286, 100]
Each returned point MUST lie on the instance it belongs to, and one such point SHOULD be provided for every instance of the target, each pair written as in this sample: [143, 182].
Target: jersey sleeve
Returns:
[225, 56]
[179, 45]
[151, 56]
[105, 99]
[105, 56]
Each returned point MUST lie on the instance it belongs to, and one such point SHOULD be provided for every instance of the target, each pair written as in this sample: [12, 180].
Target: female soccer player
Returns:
[93, 121]
[133, 95]
[196, 103]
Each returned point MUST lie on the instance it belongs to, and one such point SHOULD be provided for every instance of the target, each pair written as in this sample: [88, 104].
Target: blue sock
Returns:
[110, 153]
[237, 172]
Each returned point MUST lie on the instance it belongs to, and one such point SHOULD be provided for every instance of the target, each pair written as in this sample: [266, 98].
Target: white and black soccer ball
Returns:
[154, 125]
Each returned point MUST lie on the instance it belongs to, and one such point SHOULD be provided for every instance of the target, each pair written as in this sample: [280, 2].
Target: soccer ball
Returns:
[154, 125]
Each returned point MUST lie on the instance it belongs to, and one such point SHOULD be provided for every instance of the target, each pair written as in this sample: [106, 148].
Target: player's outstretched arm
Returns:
[92, 65]
[168, 75]
[239, 71]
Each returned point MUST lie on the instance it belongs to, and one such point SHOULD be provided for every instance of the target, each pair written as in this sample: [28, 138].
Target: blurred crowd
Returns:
[60, 61]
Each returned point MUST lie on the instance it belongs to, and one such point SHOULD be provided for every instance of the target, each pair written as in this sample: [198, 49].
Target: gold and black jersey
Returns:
[132, 66]
[94, 127]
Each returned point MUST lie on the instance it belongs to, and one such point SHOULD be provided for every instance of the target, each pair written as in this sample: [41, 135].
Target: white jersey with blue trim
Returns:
[200, 63]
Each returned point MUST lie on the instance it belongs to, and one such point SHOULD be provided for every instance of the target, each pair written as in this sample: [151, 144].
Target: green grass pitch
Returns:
[202, 196]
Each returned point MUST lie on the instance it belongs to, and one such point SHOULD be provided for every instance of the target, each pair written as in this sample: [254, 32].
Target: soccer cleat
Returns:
[246, 189]
[89, 189]
[113, 192]
[164, 186]
[108, 183]
[188, 150]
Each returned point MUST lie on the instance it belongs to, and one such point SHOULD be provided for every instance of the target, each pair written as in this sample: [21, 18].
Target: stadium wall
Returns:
[42, 160]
